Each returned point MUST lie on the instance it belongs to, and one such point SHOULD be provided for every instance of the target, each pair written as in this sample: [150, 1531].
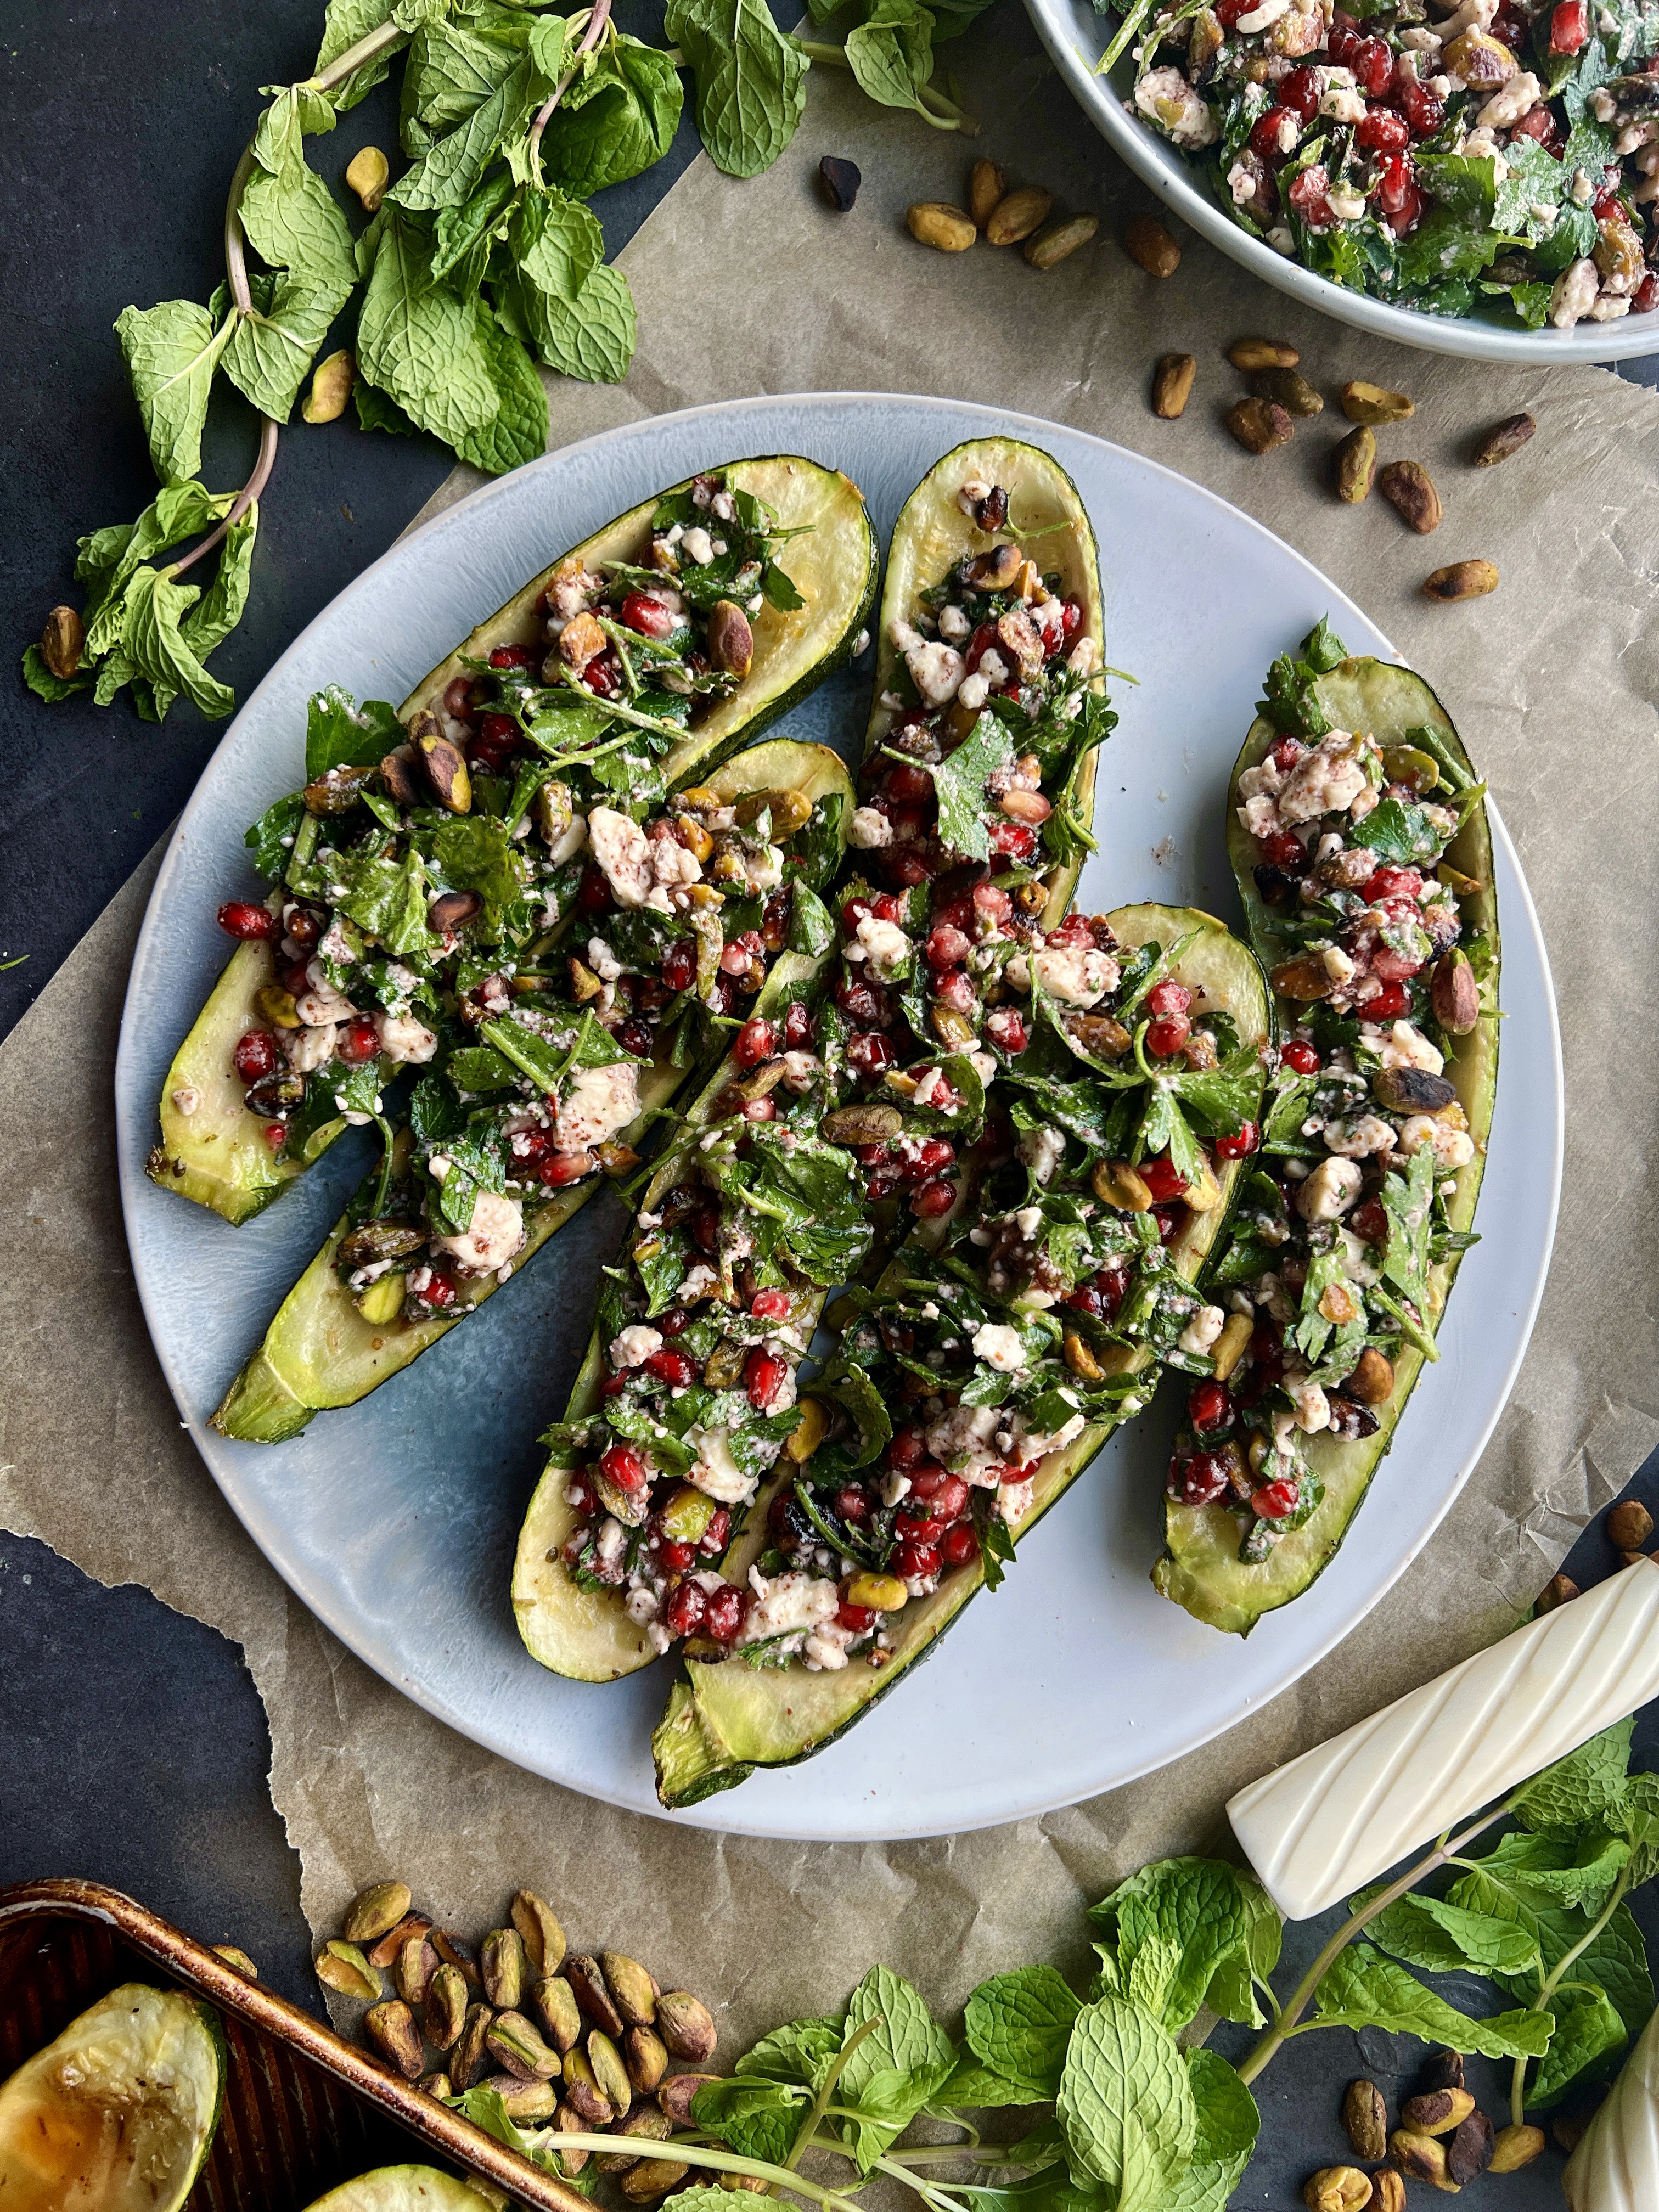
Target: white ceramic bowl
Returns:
[1076, 38]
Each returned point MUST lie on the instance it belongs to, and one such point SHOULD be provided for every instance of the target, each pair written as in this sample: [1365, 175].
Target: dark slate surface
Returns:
[133, 1748]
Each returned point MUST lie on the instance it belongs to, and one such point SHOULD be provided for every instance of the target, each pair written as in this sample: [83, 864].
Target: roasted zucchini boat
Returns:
[1359, 840]
[549, 1072]
[634, 666]
[982, 1381]
[977, 787]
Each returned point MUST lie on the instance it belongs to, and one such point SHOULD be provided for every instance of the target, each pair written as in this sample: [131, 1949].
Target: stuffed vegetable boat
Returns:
[546, 1070]
[1358, 838]
[632, 666]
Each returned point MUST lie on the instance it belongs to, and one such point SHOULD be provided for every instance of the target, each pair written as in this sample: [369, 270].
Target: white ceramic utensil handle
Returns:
[1331, 1821]
[1615, 2168]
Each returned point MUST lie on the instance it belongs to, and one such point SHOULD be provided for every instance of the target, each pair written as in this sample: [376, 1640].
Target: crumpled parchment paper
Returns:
[759, 286]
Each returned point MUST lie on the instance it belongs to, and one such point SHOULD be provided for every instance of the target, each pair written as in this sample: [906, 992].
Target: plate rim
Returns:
[723, 1814]
[1457, 336]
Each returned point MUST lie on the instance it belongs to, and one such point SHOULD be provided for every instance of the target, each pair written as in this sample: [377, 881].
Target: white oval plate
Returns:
[1076, 38]
[395, 1520]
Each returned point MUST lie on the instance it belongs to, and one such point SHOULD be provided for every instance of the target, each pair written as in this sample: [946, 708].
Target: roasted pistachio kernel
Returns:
[1514, 2148]
[1409, 489]
[392, 2026]
[987, 186]
[609, 2071]
[945, 227]
[1630, 1525]
[584, 1973]
[1147, 241]
[1365, 2118]
[685, 2025]
[276, 1005]
[555, 2001]
[1060, 240]
[514, 2041]
[1259, 425]
[1374, 403]
[1249, 354]
[446, 2007]
[1353, 465]
[366, 175]
[468, 2053]
[653, 2176]
[646, 2057]
[1114, 1182]
[1437, 2113]
[417, 1963]
[1172, 385]
[504, 1966]
[584, 2092]
[1017, 214]
[1287, 388]
[62, 642]
[238, 1960]
[676, 2093]
[331, 388]
[1464, 579]
[342, 1967]
[1501, 441]
[1337, 2189]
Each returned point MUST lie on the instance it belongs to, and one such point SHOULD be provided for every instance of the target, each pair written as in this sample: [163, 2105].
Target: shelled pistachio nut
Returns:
[446, 2007]
[632, 1989]
[238, 1960]
[417, 1962]
[646, 2057]
[468, 2054]
[1365, 2118]
[945, 227]
[375, 1910]
[685, 2025]
[504, 1967]
[583, 2092]
[1287, 388]
[584, 1974]
[987, 186]
[1248, 354]
[609, 2071]
[514, 2041]
[569, 2122]
[437, 2084]
[524, 2100]
[1374, 403]
[342, 1967]
[647, 2125]
[539, 1927]
[392, 2026]
[674, 2096]
[653, 2176]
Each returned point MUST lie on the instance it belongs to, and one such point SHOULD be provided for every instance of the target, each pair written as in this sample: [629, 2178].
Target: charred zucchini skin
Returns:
[1199, 1568]
[218, 1156]
[585, 1634]
[728, 1719]
[319, 1352]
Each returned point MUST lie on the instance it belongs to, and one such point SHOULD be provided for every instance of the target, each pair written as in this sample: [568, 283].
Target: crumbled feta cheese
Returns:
[973, 691]
[696, 545]
[961, 1439]
[716, 1474]
[1405, 1045]
[1041, 1152]
[1312, 1411]
[634, 1345]
[1573, 294]
[937, 671]
[999, 1347]
[882, 944]
[1453, 1147]
[1164, 97]
[305, 1050]
[868, 830]
[603, 961]
[600, 1102]
[1330, 1190]
[1326, 781]
[1014, 1499]
[1075, 973]
[623, 854]
[788, 1604]
[1359, 1139]
[954, 625]
[1201, 1331]
[186, 1098]
[494, 1233]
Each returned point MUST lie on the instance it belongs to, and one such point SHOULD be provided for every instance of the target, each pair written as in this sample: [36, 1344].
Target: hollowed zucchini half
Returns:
[933, 532]
[118, 2113]
[1200, 1568]
[320, 1351]
[728, 1718]
[217, 1154]
[401, 2189]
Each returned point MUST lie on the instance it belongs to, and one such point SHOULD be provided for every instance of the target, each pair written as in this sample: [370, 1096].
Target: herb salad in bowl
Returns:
[1480, 182]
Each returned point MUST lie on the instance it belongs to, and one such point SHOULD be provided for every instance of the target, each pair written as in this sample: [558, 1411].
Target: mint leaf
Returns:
[1231, 1991]
[339, 733]
[44, 684]
[900, 2066]
[1126, 2104]
[1616, 1958]
[171, 352]
[978, 2087]
[751, 80]
[417, 340]
[557, 242]
[756, 2119]
[1197, 1906]
[1019, 2024]
[517, 431]
[591, 338]
[345, 23]
[1443, 1938]
[1587, 1786]
[1556, 1871]
[1228, 2125]
[619, 117]
[446, 175]
[706, 2196]
[271, 349]
[152, 643]
[376, 410]
[291, 218]
[1362, 1989]
[1588, 2032]
[800, 2052]
[465, 236]
[959, 787]
[891, 52]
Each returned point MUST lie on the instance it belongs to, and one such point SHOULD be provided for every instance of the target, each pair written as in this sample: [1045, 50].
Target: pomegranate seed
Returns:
[857, 1619]
[983, 639]
[933, 1155]
[1425, 111]
[276, 1135]
[755, 1041]
[1569, 26]
[623, 1465]
[1113, 1283]
[640, 612]
[1394, 967]
[458, 698]
[1382, 132]
[706, 1229]
[907, 1449]
[1301, 1056]
[1391, 1002]
[679, 967]
[949, 1500]
[1275, 133]
[764, 1376]
[906, 869]
[1343, 37]
[867, 1004]
[886, 907]
[883, 1184]
[1373, 63]
[852, 1504]
[1608, 204]
[593, 895]
[1284, 851]
[1006, 1027]
[961, 1545]
[255, 1055]
[1070, 618]
[685, 1609]
[1014, 841]
[1647, 293]
[1074, 930]
[559, 1169]
[440, 1291]
[675, 1321]
[357, 1042]
[908, 784]
[1168, 1218]
[770, 1305]
[854, 913]
[582, 1496]
[1209, 1406]
[758, 1110]
[1160, 1178]
[714, 1537]
[955, 990]
[1540, 124]
[240, 919]
[918, 1526]
[869, 1054]
[933, 1200]
[1169, 997]
[914, 1562]
[991, 905]
[677, 1369]
[1166, 1036]
[294, 980]
[1309, 195]
[512, 656]
[1401, 219]
[724, 1618]
[613, 1386]
[1299, 92]
[1510, 25]
[1371, 1221]
[1393, 882]
[1229, 11]
[678, 1558]
[1199, 1481]
[947, 947]
[635, 1036]
[1085, 1299]
[1243, 1142]
[797, 1027]
[1275, 1500]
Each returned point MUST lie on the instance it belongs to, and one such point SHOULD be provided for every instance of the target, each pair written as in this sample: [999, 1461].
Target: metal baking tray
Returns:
[303, 2111]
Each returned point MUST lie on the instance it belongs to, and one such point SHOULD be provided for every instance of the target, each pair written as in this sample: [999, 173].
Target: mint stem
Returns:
[1549, 1985]
[597, 24]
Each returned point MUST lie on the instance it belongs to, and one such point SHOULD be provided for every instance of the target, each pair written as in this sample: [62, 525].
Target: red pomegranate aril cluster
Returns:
[248, 923]
[1299, 1056]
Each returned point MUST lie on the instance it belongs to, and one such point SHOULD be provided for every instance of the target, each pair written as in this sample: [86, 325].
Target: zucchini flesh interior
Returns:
[585, 1633]
[217, 1154]
[118, 2113]
[401, 2189]
[729, 1718]
[1200, 1568]
[320, 1351]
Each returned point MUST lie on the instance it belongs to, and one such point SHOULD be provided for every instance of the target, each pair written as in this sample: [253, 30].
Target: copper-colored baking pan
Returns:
[302, 2111]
